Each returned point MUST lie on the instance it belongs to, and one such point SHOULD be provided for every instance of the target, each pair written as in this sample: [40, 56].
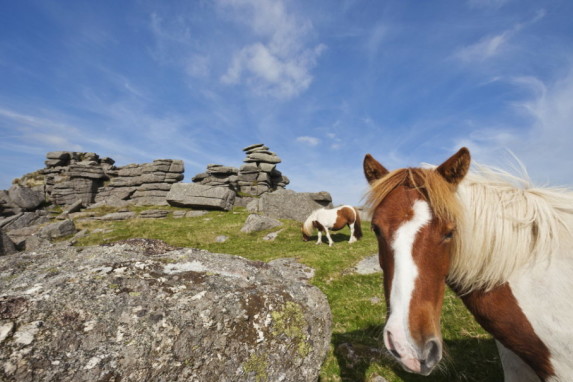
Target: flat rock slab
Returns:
[192, 195]
[368, 266]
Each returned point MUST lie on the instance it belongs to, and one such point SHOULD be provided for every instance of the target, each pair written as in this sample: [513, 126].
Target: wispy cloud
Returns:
[484, 49]
[279, 64]
[311, 141]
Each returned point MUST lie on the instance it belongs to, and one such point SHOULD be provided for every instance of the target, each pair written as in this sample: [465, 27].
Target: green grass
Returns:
[356, 301]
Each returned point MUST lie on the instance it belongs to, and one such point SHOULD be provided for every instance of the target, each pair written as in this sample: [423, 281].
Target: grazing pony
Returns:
[334, 219]
[505, 248]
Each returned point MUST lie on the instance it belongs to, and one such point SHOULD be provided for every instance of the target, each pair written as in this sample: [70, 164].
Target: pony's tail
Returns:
[357, 225]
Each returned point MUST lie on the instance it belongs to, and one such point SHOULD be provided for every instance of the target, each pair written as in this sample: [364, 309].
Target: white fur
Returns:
[327, 217]
[403, 281]
[544, 295]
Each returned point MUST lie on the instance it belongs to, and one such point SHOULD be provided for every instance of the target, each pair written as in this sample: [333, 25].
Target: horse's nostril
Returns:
[432, 352]
[390, 345]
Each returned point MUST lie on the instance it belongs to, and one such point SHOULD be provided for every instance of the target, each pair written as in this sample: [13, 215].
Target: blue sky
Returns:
[320, 82]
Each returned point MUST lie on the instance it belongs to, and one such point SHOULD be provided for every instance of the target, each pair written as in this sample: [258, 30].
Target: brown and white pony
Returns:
[506, 249]
[332, 219]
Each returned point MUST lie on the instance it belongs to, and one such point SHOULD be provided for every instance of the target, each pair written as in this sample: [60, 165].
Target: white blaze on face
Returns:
[403, 281]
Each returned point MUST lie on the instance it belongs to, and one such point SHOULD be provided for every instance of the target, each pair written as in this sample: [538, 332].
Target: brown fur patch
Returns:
[499, 313]
[344, 216]
[316, 224]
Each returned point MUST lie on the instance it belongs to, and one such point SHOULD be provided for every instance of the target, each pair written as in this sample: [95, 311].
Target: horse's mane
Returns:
[503, 222]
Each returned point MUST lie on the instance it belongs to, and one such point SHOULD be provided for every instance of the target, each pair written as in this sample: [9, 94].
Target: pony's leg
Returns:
[330, 242]
[352, 237]
[514, 369]
[319, 241]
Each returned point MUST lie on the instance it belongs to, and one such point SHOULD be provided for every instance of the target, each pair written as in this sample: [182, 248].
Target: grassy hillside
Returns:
[356, 301]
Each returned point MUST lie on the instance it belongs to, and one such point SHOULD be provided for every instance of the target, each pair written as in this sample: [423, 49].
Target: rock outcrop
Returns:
[287, 204]
[143, 184]
[200, 196]
[131, 313]
[257, 176]
[72, 176]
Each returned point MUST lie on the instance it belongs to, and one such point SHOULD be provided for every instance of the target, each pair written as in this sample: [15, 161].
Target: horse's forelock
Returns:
[439, 193]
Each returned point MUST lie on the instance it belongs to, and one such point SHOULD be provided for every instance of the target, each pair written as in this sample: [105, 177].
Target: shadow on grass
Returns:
[470, 359]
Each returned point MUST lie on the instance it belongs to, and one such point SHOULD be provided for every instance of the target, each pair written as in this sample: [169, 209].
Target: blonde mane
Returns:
[503, 223]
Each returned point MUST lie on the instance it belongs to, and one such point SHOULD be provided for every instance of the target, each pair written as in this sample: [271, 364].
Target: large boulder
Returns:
[199, 196]
[26, 198]
[288, 204]
[7, 246]
[255, 223]
[124, 313]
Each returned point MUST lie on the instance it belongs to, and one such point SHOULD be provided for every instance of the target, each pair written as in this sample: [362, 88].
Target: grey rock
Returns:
[272, 236]
[35, 242]
[292, 269]
[7, 247]
[255, 223]
[153, 214]
[24, 219]
[58, 229]
[118, 313]
[200, 196]
[254, 146]
[20, 235]
[26, 198]
[118, 216]
[221, 239]
[368, 265]
[287, 204]
[194, 214]
[261, 157]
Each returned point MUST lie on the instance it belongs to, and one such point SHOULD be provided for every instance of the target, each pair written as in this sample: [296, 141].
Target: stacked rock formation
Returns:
[72, 176]
[257, 176]
[143, 184]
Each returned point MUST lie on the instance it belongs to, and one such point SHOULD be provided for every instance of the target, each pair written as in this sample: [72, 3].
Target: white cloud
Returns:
[280, 62]
[311, 141]
[484, 49]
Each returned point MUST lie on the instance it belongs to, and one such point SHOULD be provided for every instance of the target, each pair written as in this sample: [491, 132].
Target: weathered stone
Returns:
[58, 229]
[200, 196]
[20, 235]
[25, 197]
[117, 313]
[265, 158]
[118, 216]
[368, 265]
[223, 170]
[90, 172]
[67, 193]
[23, 219]
[267, 167]
[255, 223]
[287, 204]
[153, 214]
[7, 247]
[252, 147]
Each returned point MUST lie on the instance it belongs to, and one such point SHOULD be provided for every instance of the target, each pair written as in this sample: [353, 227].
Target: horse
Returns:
[332, 219]
[503, 246]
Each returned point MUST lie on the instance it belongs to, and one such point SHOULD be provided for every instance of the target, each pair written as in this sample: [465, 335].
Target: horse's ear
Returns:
[373, 170]
[456, 167]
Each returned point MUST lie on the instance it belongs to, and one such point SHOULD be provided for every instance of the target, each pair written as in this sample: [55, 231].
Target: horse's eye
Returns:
[449, 235]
